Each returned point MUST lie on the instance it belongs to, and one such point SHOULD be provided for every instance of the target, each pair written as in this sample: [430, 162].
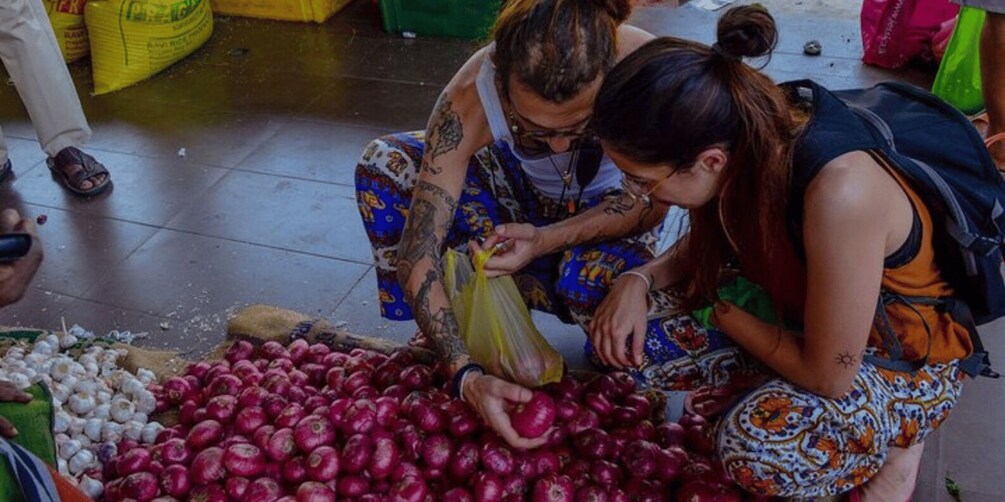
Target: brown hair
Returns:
[557, 47]
[671, 100]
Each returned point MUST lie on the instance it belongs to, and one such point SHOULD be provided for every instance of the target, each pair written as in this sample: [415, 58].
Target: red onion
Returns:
[222, 408]
[553, 488]
[290, 416]
[175, 451]
[240, 350]
[317, 353]
[312, 491]
[488, 487]
[177, 390]
[207, 466]
[175, 482]
[236, 487]
[261, 436]
[132, 461]
[383, 459]
[535, 417]
[322, 464]
[274, 350]
[206, 433]
[352, 485]
[244, 460]
[497, 459]
[294, 471]
[410, 489]
[458, 495]
[198, 370]
[464, 462]
[436, 451]
[356, 453]
[249, 420]
[208, 493]
[360, 417]
[263, 490]
[298, 350]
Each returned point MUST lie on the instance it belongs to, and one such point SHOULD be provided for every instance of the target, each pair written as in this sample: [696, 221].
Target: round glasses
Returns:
[633, 188]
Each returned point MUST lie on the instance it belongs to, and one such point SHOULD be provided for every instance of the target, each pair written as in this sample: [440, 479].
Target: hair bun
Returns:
[619, 10]
[747, 31]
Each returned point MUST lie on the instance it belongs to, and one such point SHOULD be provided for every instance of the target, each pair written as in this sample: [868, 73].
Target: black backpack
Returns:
[944, 158]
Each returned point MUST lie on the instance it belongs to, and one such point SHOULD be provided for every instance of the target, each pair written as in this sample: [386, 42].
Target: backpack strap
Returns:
[976, 364]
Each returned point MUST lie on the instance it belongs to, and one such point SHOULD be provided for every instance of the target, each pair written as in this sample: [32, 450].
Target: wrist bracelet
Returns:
[458, 379]
[644, 277]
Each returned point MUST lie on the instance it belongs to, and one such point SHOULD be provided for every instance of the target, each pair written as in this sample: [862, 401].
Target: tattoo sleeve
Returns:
[421, 246]
[445, 132]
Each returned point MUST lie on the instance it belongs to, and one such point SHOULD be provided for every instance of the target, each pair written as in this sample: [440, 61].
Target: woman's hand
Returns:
[492, 397]
[517, 244]
[11, 394]
[623, 313]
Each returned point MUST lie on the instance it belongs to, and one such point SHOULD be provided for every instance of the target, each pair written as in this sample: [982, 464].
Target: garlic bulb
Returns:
[141, 417]
[103, 397]
[77, 426]
[70, 382]
[15, 353]
[132, 386]
[81, 403]
[93, 429]
[60, 369]
[87, 358]
[87, 386]
[60, 422]
[91, 369]
[59, 392]
[52, 340]
[43, 347]
[146, 402]
[81, 461]
[111, 431]
[62, 466]
[122, 410]
[85, 442]
[17, 365]
[91, 487]
[19, 380]
[67, 341]
[150, 431]
[102, 411]
[69, 448]
[133, 430]
[146, 376]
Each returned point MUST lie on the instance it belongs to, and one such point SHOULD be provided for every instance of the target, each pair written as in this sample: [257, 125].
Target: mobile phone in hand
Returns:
[14, 246]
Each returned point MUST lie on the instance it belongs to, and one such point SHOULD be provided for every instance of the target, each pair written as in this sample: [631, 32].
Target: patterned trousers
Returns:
[496, 191]
[782, 440]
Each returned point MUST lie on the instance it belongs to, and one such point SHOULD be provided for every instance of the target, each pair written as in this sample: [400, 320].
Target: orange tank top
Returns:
[921, 277]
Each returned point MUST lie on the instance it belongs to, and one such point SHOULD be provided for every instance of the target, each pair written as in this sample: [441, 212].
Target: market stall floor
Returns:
[233, 177]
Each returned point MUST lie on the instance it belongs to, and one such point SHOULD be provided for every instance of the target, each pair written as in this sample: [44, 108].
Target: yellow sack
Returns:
[284, 10]
[131, 40]
[496, 325]
[67, 19]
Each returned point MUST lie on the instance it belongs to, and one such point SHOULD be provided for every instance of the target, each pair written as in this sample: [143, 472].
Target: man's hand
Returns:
[492, 397]
[15, 276]
[516, 245]
[11, 394]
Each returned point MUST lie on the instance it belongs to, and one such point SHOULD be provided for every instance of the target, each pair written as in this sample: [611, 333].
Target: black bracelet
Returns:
[459, 376]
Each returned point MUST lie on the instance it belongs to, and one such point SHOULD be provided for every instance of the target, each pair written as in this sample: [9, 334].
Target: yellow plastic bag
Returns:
[67, 19]
[284, 10]
[496, 325]
[131, 40]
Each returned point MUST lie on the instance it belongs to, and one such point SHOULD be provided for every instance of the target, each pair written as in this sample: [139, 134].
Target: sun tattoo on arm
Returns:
[846, 359]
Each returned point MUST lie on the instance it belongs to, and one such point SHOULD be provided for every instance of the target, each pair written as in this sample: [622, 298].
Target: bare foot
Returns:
[896, 479]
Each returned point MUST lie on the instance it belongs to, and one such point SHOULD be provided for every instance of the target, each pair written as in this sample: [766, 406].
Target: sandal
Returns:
[6, 169]
[89, 169]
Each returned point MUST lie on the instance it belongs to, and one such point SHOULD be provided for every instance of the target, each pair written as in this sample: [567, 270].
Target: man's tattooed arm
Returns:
[420, 248]
[445, 134]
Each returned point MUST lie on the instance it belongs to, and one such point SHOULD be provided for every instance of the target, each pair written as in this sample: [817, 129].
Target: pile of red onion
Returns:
[307, 424]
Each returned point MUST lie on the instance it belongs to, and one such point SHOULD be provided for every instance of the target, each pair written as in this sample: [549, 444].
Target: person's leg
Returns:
[385, 176]
[30, 52]
[993, 78]
[781, 440]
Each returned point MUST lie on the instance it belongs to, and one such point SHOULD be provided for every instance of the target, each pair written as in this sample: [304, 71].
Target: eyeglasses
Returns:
[632, 187]
[535, 141]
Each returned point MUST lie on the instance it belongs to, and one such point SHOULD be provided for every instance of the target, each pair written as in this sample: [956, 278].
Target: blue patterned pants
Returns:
[569, 284]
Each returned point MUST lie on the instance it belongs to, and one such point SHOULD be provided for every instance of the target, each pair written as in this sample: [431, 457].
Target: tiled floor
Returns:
[261, 208]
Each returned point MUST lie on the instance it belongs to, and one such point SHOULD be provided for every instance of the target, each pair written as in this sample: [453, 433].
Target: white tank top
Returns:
[541, 170]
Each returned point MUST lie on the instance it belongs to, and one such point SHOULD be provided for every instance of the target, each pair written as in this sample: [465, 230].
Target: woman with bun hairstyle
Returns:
[509, 161]
[694, 126]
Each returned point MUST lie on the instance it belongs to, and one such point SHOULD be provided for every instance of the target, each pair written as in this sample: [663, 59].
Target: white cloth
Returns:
[543, 170]
[29, 51]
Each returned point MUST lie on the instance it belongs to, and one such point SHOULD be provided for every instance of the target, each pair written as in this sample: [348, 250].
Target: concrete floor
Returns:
[261, 208]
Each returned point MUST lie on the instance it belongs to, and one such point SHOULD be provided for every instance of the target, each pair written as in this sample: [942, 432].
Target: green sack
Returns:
[34, 422]
[959, 78]
[744, 294]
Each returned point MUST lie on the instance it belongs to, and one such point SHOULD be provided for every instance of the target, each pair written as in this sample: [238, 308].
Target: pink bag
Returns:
[897, 31]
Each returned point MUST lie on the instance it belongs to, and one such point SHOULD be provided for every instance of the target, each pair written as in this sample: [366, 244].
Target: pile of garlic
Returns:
[96, 403]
